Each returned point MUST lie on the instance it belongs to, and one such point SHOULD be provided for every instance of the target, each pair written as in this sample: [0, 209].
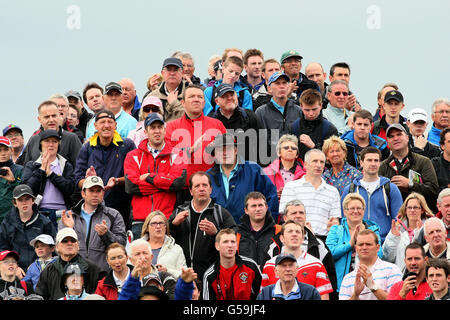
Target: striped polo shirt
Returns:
[321, 204]
[385, 275]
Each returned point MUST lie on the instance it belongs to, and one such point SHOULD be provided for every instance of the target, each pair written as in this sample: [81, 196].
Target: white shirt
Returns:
[370, 186]
[321, 204]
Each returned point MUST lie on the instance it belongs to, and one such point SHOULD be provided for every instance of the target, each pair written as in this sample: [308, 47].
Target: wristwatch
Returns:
[372, 286]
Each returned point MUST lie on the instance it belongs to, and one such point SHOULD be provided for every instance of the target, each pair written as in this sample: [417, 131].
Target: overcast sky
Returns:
[54, 46]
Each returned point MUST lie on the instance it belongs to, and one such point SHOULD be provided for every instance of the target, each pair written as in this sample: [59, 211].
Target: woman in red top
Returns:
[110, 286]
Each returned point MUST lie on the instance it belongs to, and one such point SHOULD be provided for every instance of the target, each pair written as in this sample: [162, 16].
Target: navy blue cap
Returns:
[152, 117]
[223, 88]
[275, 76]
[280, 258]
[173, 62]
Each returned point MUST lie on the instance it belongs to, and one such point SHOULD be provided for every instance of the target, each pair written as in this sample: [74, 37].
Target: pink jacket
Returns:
[274, 174]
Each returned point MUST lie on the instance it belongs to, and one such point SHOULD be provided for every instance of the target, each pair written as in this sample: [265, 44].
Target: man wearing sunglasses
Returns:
[67, 246]
[336, 113]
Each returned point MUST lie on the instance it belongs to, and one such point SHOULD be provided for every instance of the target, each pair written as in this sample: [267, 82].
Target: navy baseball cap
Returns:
[173, 62]
[274, 77]
[11, 127]
[152, 117]
[280, 258]
[223, 88]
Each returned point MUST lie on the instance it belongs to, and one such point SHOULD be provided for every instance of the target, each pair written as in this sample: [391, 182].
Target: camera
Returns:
[3, 172]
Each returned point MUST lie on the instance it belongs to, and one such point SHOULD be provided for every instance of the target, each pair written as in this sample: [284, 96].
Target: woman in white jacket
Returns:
[405, 228]
[167, 255]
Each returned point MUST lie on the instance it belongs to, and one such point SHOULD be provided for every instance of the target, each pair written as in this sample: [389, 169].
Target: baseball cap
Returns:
[153, 291]
[113, 86]
[280, 258]
[91, 181]
[149, 277]
[21, 190]
[172, 62]
[5, 141]
[49, 133]
[73, 94]
[417, 114]
[289, 54]
[11, 127]
[44, 238]
[276, 75]
[221, 140]
[152, 100]
[393, 95]
[6, 253]
[396, 126]
[223, 88]
[152, 117]
[64, 233]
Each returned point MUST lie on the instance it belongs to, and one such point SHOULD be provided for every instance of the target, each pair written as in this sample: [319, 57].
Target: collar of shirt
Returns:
[154, 152]
[277, 106]
[295, 290]
[200, 212]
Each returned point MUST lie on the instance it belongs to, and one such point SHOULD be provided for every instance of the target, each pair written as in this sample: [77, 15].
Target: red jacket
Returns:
[245, 281]
[107, 287]
[182, 134]
[157, 191]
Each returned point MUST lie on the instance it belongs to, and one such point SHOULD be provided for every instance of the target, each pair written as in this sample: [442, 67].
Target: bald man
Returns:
[130, 104]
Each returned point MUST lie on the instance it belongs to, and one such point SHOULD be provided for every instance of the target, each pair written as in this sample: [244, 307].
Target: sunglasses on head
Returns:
[338, 93]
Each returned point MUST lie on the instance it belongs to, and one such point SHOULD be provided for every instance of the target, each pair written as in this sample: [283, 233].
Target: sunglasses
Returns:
[152, 109]
[290, 147]
[71, 240]
[338, 93]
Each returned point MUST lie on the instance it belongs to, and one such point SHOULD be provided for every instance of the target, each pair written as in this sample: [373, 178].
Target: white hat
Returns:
[417, 114]
[91, 181]
[64, 233]
[44, 238]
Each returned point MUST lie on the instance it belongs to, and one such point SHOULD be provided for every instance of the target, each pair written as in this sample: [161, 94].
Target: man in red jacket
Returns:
[153, 174]
[194, 131]
[231, 277]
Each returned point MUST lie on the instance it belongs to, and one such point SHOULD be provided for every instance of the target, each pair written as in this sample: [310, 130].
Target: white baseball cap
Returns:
[64, 233]
[417, 114]
[44, 238]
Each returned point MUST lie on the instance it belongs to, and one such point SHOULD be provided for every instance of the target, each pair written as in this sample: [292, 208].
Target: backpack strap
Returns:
[386, 197]
[351, 188]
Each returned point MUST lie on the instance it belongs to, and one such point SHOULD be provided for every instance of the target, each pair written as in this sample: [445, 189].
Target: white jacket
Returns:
[171, 256]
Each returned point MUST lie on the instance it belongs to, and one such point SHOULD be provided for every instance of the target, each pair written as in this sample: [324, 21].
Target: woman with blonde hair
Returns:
[341, 172]
[410, 218]
[341, 239]
[167, 255]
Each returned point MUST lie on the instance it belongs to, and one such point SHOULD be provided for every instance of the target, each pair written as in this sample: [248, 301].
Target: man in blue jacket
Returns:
[383, 198]
[233, 178]
[103, 155]
[360, 137]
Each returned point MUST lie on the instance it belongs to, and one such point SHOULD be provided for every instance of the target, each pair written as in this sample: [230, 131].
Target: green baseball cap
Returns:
[289, 54]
